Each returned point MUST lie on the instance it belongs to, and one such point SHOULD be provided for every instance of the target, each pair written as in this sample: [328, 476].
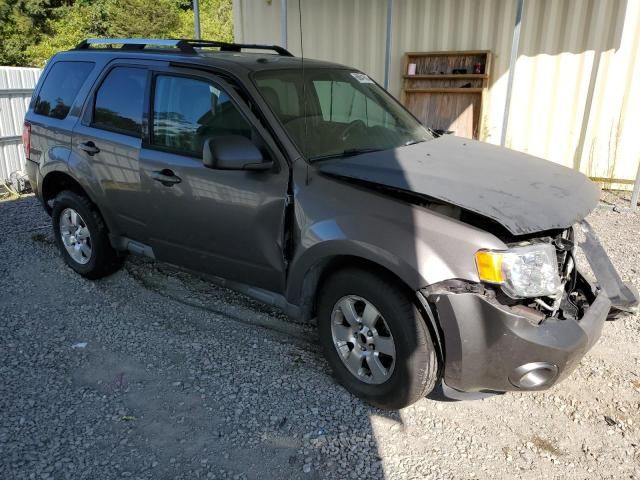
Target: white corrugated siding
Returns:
[13, 106]
[575, 83]
[576, 95]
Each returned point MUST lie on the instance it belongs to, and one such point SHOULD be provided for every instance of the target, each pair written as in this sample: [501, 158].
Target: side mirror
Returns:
[233, 152]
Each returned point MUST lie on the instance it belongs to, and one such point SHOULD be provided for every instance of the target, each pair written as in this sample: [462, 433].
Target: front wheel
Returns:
[375, 339]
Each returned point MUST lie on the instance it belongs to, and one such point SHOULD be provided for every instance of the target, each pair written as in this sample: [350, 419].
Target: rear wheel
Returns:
[82, 236]
[375, 339]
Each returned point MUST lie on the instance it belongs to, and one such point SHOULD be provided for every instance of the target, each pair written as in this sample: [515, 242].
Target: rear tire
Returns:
[414, 370]
[82, 236]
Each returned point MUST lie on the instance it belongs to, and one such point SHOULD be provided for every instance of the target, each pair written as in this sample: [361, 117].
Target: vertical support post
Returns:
[515, 46]
[636, 191]
[196, 19]
[284, 27]
[387, 48]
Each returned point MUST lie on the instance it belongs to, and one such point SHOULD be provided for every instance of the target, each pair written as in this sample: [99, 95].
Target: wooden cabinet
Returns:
[447, 90]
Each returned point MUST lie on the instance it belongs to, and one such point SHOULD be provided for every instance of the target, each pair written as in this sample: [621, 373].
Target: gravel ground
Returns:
[152, 373]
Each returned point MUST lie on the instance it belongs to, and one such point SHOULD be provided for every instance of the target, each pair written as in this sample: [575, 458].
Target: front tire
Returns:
[82, 236]
[375, 339]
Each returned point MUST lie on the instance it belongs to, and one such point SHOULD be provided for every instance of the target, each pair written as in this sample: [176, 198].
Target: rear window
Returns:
[60, 88]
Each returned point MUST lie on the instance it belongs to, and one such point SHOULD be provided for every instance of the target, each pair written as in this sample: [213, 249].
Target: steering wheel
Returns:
[351, 128]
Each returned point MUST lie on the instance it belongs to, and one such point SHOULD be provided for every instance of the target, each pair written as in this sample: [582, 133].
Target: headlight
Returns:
[528, 271]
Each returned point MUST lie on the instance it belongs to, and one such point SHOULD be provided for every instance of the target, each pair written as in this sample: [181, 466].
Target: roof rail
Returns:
[184, 45]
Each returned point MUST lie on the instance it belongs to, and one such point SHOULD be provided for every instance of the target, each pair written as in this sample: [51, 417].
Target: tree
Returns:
[216, 21]
[70, 25]
[31, 31]
[141, 18]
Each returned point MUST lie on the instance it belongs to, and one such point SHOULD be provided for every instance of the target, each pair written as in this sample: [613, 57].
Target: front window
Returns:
[345, 113]
[187, 111]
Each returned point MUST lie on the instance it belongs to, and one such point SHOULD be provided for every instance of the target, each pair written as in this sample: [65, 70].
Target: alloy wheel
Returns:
[363, 339]
[75, 236]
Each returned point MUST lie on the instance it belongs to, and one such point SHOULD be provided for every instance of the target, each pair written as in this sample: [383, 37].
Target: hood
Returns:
[523, 193]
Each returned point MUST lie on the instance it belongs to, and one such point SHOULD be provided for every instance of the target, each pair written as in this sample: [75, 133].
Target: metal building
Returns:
[16, 85]
[573, 65]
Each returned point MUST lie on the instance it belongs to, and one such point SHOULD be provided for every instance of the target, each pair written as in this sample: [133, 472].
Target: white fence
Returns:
[16, 86]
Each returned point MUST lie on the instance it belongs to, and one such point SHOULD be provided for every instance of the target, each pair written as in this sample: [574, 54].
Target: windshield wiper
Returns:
[350, 152]
[413, 142]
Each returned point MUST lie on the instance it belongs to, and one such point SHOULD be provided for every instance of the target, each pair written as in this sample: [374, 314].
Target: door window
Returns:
[120, 100]
[187, 111]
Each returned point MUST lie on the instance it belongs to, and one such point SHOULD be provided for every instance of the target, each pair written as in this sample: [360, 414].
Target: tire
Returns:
[102, 259]
[414, 371]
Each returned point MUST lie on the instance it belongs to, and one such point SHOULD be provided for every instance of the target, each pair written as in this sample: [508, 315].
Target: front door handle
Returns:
[89, 147]
[166, 177]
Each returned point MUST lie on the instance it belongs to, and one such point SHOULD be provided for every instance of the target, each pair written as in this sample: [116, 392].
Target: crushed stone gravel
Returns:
[155, 374]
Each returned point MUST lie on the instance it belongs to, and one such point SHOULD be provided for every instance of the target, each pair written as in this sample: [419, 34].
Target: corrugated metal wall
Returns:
[577, 75]
[575, 80]
[16, 85]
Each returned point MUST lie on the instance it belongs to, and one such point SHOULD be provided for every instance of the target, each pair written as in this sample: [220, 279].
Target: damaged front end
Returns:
[532, 318]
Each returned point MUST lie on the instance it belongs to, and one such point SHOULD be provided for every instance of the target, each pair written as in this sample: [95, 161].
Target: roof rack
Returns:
[184, 45]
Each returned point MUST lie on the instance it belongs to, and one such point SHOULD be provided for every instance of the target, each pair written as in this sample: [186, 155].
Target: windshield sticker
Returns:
[361, 77]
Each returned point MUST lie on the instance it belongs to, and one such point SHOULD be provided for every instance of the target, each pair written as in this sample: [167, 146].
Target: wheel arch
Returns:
[55, 182]
[306, 294]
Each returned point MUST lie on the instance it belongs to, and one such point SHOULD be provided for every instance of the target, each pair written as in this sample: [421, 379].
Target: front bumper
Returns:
[490, 347]
[486, 344]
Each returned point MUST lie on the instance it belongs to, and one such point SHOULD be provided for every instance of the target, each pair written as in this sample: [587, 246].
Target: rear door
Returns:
[227, 223]
[109, 138]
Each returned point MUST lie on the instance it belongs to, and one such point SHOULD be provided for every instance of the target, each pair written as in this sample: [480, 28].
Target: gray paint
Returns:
[491, 342]
[523, 193]
[232, 224]
[623, 296]
[418, 245]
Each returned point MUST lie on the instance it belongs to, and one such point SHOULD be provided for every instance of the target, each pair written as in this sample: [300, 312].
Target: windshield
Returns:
[345, 112]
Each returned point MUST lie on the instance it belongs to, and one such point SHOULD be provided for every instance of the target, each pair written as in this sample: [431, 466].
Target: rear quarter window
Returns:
[61, 87]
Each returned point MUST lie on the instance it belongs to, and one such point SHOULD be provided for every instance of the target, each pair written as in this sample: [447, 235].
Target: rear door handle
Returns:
[89, 147]
[166, 177]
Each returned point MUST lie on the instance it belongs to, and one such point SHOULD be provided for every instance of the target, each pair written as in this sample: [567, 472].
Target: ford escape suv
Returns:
[304, 184]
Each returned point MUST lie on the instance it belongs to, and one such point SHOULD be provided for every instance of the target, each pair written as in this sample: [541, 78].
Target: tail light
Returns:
[26, 139]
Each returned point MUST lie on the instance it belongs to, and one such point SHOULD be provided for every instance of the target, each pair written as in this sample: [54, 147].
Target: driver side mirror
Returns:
[233, 152]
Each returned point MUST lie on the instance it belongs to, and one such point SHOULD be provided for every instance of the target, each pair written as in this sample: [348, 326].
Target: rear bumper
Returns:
[33, 172]
[488, 347]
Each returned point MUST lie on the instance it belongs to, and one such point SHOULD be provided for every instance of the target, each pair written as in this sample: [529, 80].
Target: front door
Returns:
[227, 223]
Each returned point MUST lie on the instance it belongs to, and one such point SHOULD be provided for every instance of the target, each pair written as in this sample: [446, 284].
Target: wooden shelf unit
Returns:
[445, 100]
[457, 76]
[443, 90]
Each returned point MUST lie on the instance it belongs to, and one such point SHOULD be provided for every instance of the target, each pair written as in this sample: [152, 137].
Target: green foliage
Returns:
[31, 31]
[216, 21]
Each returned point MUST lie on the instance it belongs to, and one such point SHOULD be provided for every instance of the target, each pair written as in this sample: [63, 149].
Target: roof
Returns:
[228, 55]
[259, 62]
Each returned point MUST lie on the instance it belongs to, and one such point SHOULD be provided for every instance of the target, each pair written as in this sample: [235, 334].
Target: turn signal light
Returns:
[489, 266]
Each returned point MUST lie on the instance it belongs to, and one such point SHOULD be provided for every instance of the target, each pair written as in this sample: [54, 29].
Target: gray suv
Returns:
[304, 184]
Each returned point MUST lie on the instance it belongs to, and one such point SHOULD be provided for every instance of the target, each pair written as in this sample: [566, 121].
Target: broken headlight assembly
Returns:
[523, 271]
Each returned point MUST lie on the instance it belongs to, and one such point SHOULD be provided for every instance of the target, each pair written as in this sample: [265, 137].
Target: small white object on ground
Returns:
[79, 345]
